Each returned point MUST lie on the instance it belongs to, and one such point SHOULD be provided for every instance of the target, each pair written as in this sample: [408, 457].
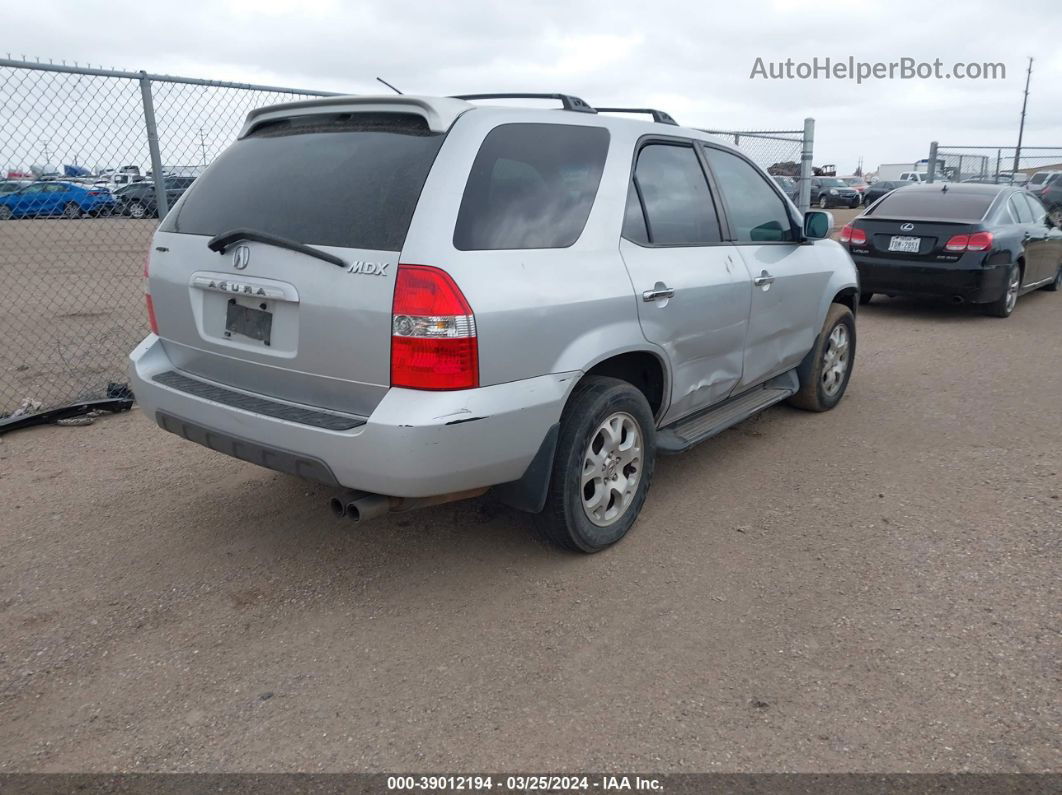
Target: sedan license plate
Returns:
[248, 321]
[908, 245]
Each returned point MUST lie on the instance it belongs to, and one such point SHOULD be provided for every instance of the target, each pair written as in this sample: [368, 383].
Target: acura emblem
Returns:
[240, 257]
[903, 228]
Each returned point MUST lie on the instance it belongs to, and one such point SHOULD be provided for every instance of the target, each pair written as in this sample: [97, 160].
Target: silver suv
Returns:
[420, 299]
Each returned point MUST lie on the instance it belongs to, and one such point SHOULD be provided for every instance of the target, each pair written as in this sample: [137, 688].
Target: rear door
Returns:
[691, 287]
[1041, 247]
[788, 277]
[275, 321]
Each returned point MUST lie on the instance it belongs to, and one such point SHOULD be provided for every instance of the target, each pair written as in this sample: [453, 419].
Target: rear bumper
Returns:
[415, 444]
[896, 277]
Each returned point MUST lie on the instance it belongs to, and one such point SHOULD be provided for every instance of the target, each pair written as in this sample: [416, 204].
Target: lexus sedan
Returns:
[968, 243]
[878, 189]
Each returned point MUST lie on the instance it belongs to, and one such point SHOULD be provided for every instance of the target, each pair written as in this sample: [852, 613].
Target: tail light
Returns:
[850, 234]
[433, 332]
[978, 241]
[153, 324]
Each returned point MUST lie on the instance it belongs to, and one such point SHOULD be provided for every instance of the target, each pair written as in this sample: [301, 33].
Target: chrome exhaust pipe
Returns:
[368, 506]
[361, 506]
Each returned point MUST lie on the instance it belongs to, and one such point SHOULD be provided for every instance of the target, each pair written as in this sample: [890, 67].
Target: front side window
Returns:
[531, 186]
[756, 212]
[674, 191]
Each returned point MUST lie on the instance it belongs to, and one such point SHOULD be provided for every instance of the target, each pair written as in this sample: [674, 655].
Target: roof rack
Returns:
[568, 102]
[658, 115]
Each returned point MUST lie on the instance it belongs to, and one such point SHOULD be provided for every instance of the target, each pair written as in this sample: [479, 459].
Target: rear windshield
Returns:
[350, 180]
[531, 186]
[938, 204]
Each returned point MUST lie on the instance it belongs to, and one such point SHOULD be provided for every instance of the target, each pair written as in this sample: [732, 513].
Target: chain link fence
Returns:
[89, 159]
[784, 154]
[992, 164]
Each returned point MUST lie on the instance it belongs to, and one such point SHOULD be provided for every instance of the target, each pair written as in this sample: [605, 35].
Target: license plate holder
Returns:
[248, 321]
[904, 244]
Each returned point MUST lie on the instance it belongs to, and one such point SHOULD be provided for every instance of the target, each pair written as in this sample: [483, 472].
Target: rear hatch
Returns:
[276, 321]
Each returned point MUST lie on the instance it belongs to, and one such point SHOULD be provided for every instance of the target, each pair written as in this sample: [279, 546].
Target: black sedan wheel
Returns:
[137, 210]
[824, 202]
[1006, 303]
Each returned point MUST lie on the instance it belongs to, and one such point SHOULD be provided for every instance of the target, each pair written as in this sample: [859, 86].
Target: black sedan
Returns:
[138, 198]
[833, 192]
[979, 244]
[878, 189]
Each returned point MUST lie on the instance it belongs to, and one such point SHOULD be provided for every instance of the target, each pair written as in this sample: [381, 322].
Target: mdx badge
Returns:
[368, 268]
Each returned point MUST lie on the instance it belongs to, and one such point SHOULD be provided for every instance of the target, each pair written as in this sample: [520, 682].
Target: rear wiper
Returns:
[222, 241]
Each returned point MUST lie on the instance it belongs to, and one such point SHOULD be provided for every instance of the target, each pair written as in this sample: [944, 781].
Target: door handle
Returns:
[763, 280]
[659, 291]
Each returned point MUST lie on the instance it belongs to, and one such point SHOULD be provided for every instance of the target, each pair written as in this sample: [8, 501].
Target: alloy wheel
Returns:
[1012, 289]
[612, 469]
[835, 360]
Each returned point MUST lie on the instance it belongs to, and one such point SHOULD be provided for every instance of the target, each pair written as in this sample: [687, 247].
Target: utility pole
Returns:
[202, 146]
[1021, 127]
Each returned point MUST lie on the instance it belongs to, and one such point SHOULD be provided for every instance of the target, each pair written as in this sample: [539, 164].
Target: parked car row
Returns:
[69, 199]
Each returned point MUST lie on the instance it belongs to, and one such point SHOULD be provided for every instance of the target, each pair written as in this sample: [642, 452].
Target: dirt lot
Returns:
[871, 589]
[71, 306]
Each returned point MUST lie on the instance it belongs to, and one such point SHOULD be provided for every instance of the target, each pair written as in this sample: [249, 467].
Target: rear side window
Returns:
[674, 191]
[936, 203]
[531, 186]
[755, 210]
[349, 180]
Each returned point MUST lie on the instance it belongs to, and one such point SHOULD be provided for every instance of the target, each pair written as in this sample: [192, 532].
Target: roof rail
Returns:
[658, 115]
[568, 102]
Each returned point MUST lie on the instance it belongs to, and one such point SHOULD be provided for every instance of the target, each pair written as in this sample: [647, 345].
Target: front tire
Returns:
[825, 373]
[603, 466]
[823, 202]
[1004, 306]
[137, 210]
[5, 213]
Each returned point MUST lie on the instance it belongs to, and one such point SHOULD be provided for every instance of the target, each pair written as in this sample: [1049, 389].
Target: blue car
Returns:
[41, 199]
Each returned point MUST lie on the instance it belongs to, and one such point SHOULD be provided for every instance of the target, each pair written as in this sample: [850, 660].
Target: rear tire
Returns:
[603, 466]
[5, 213]
[137, 210]
[71, 210]
[1054, 286]
[824, 375]
[1004, 305]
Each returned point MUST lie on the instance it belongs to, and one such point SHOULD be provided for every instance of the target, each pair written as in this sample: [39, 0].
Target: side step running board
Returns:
[684, 434]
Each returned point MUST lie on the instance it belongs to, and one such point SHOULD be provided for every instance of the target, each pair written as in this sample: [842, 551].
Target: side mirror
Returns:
[817, 224]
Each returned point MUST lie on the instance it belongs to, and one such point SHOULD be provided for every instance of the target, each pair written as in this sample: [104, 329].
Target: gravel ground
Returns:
[871, 589]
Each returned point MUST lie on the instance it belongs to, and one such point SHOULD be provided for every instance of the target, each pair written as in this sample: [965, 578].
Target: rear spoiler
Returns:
[439, 112]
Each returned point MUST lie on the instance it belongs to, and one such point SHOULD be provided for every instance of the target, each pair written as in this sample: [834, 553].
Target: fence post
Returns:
[153, 147]
[932, 164]
[806, 154]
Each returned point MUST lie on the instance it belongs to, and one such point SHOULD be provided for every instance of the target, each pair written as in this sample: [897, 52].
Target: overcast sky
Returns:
[691, 59]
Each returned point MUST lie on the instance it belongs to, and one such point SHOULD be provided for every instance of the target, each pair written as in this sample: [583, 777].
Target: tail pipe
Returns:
[361, 506]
